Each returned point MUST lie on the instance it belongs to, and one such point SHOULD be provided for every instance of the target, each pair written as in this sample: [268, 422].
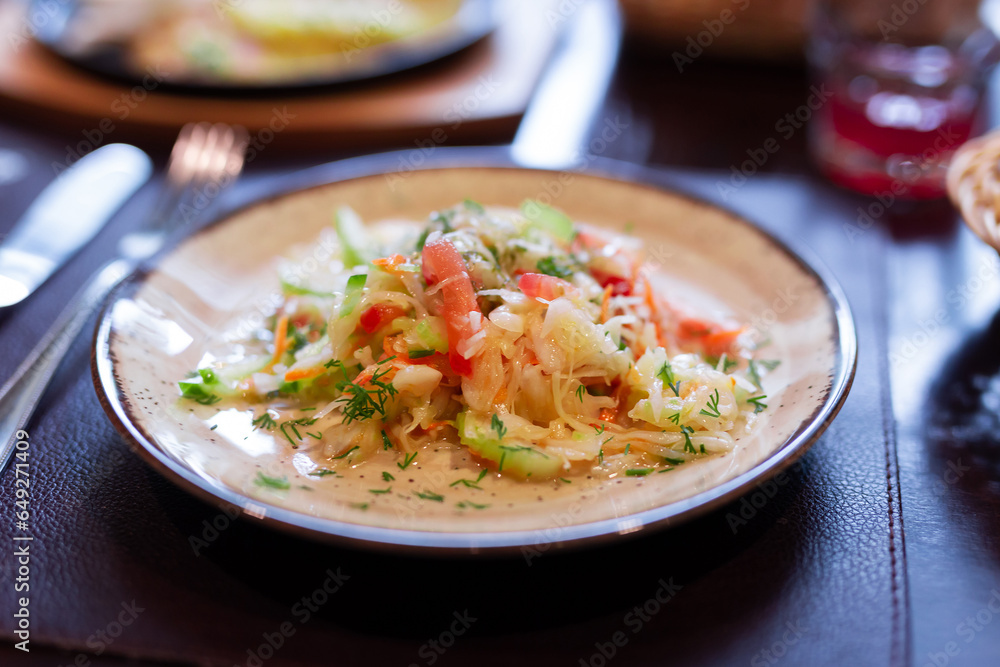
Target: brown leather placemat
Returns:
[809, 570]
[477, 95]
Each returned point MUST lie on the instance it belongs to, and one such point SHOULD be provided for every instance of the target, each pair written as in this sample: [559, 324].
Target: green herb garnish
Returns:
[469, 503]
[548, 266]
[429, 495]
[497, 425]
[688, 445]
[344, 455]
[638, 472]
[198, 392]
[265, 421]
[666, 373]
[364, 402]
[407, 460]
[281, 483]
[713, 406]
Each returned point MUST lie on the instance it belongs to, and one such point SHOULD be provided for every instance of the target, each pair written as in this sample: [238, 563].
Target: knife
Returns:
[572, 89]
[67, 215]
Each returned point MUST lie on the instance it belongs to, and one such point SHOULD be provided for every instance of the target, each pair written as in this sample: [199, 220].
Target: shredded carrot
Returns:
[500, 399]
[280, 342]
[304, 373]
[608, 414]
[391, 260]
[719, 342]
[389, 263]
[654, 311]
[436, 425]
[605, 303]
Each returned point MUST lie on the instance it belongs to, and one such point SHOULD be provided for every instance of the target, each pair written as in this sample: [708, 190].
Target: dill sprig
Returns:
[713, 406]
[497, 425]
[345, 454]
[468, 503]
[362, 402]
[688, 445]
[265, 421]
[666, 373]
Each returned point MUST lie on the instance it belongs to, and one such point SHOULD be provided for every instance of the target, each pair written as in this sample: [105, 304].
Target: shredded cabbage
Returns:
[541, 348]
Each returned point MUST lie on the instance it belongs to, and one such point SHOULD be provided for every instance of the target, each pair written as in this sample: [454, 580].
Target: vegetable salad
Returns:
[537, 343]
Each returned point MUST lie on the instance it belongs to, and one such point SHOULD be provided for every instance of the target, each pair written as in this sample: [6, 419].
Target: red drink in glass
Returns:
[897, 110]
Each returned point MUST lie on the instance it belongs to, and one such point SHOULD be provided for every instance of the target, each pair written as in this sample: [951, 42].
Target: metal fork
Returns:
[203, 155]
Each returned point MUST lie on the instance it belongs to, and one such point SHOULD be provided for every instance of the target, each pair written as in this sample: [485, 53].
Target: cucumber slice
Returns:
[354, 243]
[551, 220]
[514, 456]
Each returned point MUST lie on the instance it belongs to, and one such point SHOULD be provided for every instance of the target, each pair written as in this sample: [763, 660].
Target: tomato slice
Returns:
[542, 286]
[379, 315]
[442, 263]
[715, 340]
[619, 286]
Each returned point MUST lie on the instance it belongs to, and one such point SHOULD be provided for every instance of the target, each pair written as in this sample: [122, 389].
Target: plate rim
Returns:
[471, 543]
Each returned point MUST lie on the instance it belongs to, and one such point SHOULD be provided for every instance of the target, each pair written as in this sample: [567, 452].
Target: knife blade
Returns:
[572, 89]
[67, 215]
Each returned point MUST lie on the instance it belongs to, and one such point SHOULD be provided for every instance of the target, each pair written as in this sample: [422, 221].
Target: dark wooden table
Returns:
[882, 547]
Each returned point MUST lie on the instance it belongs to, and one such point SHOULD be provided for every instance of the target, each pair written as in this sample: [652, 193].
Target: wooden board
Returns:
[476, 96]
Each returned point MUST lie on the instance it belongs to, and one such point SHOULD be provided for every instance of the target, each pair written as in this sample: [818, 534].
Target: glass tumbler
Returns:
[904, 83]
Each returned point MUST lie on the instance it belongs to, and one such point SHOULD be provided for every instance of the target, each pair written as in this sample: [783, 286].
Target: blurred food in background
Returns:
[250, 41]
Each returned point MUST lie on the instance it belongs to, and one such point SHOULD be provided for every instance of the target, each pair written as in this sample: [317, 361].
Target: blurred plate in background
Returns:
[260, 44]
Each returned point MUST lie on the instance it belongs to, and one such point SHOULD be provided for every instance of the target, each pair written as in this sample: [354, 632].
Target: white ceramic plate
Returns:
[221, 281]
